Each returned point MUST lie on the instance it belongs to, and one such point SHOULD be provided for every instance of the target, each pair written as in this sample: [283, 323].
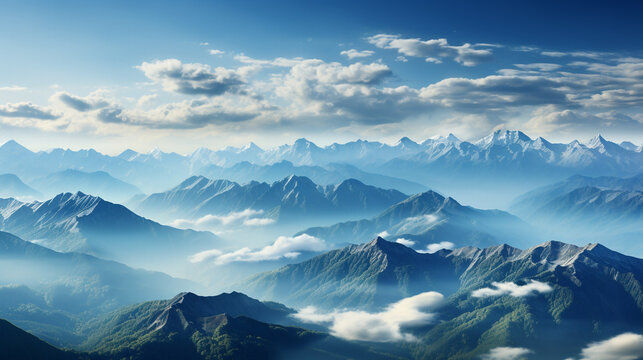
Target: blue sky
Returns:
[141, 74]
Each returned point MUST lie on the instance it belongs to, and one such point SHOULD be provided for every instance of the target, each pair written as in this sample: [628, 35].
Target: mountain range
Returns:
[226, 326]
[16, 343]
[589, 291]
[504, 163]
[84, 223]
[332, 173]
[430, 218]
[12, 186]
[293, 198]
[98, 183]
[57, 290]
[583, 208]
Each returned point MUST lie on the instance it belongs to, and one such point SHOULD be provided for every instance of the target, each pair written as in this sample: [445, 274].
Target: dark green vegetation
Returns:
[428, 218]
[227, 326]
[16, 344]
[596, 293]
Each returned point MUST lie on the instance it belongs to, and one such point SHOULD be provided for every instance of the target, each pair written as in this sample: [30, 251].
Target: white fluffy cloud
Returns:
[216, 52]
[405, 242]
[192, 79]
[355, 54]
[506, 353]
[384, 326]
[627, 346]
[435, 247]
[434, 50]
[248, 217]
[513, 289]
[283, 247]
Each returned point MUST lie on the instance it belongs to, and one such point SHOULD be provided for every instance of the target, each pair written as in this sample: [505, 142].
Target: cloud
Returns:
[495, 92]
[385, 326]
[546, 120]
[384, 234]
[249, 217]
[91, 102]
[146, 99]
[539, 66]
[506, 353]
[405, 242]
[12, 88]
[435, 247]
[26, 110]
[627, 346]
[192, 79]
[434, 50]
[401, 59]
[204, 256]
[189, 114]
[205, 43]
[512, 289]
[216, 52]
[553, 53]
[283, 247]
[355, 54]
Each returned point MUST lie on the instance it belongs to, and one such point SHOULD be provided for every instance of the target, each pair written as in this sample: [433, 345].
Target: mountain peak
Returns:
[251, 147]
[504, 137]
[14, 147]
[380, 244]
[596, 141]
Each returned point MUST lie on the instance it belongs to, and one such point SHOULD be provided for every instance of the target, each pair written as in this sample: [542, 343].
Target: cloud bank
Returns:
[385, 326]
[283, 247]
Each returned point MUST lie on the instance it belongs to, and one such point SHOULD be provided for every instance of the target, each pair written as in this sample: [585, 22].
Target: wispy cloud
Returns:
[513, 289]
[384, 326]
[248, 217]
[12, 88]
[434, 50]
[355, 54]
[283, 247]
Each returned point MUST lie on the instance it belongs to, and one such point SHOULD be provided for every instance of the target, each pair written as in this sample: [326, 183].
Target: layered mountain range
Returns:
[584, 208]
[85, 223]
[514, 160]
[59, 289]
[588, 291]
[430, 218]
[294, 199]
[226, 326]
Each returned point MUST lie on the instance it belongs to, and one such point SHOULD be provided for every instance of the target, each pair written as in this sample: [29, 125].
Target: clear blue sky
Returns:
[73, 73]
